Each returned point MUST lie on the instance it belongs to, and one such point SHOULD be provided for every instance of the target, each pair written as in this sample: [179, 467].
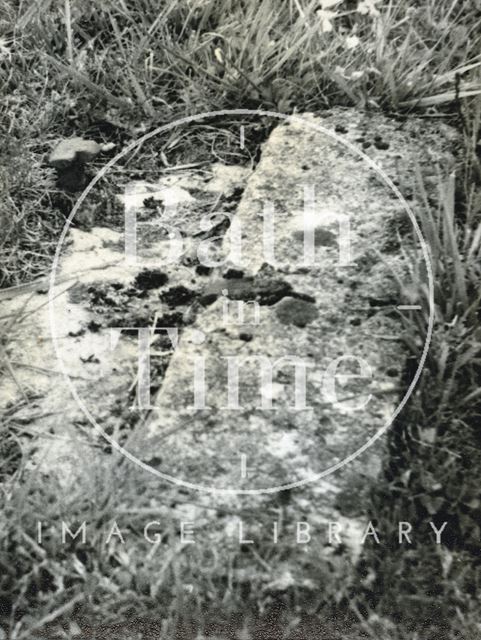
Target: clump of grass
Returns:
[27, 216]
[432, 472]
[64, 65]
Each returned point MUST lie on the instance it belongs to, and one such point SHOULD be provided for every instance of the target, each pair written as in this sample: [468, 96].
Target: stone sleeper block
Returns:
[314, 313]
[325, 311]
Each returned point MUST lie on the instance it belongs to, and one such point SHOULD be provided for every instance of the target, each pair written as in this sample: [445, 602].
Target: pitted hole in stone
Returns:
[151, 279]
[296, 311]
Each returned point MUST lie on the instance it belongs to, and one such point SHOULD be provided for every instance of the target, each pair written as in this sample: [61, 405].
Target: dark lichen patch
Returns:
[178, 296]
[322, 237]
[202, 270]
[295, 311]
[380, 143]
[173, 320]
[111, 295]
[150, 203]
[93, 326]
[262, 288]
[151, 279]
[117, 305]
[268, 291]
[233, 274]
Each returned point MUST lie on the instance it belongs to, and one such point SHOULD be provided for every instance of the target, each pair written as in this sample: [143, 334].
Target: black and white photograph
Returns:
[240, 320]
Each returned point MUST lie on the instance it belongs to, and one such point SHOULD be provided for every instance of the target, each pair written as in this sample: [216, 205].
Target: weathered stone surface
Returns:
[316, 313]
[96, 290]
